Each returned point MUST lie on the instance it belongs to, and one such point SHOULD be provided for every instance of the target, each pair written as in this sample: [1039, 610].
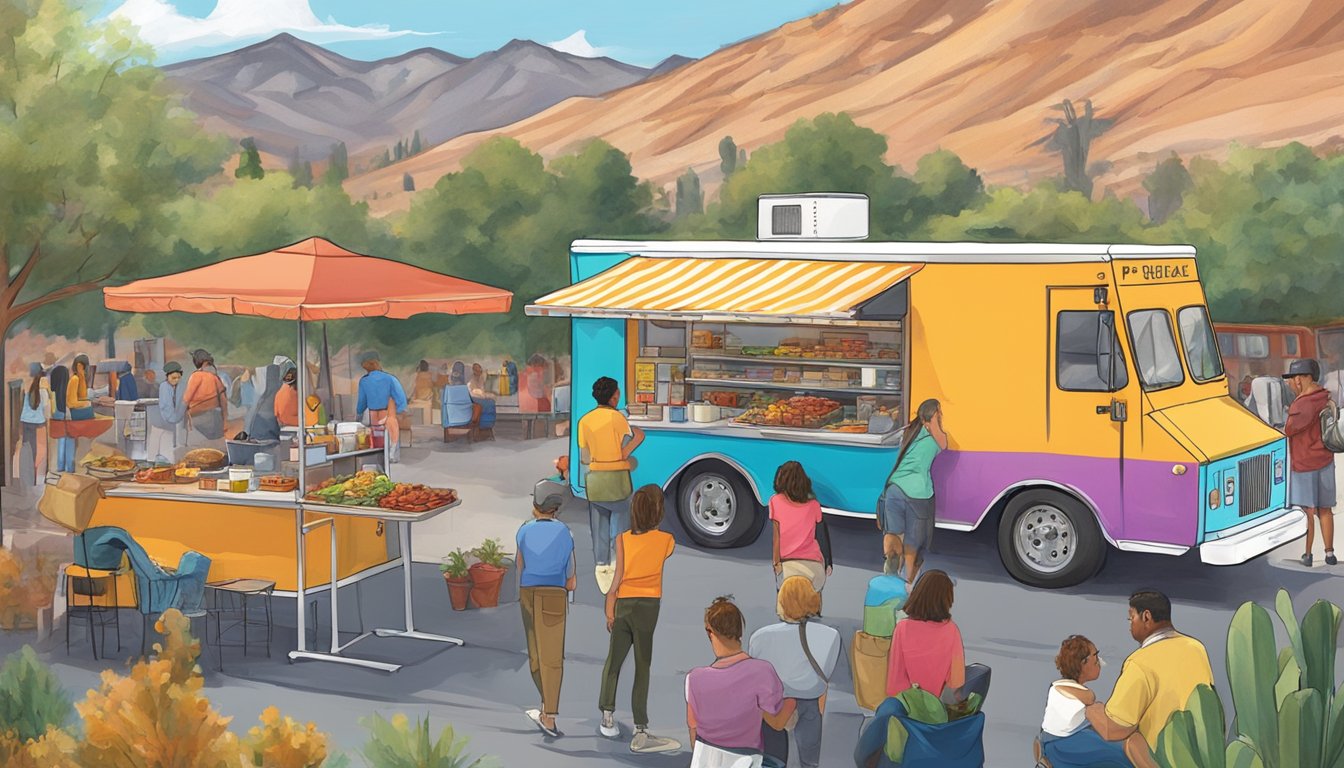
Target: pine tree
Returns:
[407, 183]
[300, 170]
[727, 156]
[690, 199]
[416, 145]
[249, 161]
[398, 152]
[338, 165]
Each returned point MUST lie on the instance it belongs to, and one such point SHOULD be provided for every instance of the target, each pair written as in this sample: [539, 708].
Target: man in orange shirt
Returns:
[606, 441]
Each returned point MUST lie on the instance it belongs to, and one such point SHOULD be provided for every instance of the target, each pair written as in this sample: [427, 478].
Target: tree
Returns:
[338, 165]
[1166, 186]
[1072, 138]
[249, 161]
[689, 197]
[92, 146]
[301, 170]
[416, 146]
[397, 152]
[407, 183]
[1046, 214]
[727, 156]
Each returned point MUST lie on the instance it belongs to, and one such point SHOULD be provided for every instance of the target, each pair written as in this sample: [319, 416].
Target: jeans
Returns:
[606, 521]
[807, 733]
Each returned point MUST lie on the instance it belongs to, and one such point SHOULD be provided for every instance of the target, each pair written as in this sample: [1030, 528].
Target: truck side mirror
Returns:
[1106, 347]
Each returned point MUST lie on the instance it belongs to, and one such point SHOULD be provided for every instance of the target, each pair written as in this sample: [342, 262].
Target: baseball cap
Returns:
[171, 366]
[368, 356]
[1306, 367]
[548, 495]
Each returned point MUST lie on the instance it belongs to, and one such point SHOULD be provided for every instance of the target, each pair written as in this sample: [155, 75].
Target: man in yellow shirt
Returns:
[606, 441]
[1156, 680]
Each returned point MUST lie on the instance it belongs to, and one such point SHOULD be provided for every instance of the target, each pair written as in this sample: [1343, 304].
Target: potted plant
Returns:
[487, 574]
[457, 575]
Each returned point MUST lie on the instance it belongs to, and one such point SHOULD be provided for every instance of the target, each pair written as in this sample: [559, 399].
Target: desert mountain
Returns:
[287, 93]
[978, 77]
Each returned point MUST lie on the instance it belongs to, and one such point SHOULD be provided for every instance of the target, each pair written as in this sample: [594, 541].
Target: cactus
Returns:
[1320, 637]
[1301, 729]
[1175, 746]
[1334, 735]
[1252, 670]
[1242, 755]
[1194, 737]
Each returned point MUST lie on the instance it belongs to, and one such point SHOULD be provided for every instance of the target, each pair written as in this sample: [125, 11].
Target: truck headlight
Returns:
[1278, 471]
[1229, 490]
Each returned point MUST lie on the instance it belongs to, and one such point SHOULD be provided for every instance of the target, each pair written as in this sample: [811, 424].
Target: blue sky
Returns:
[630, 30]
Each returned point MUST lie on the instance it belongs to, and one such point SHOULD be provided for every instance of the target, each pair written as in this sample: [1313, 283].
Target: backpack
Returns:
[1268, 401]
[1332, 430]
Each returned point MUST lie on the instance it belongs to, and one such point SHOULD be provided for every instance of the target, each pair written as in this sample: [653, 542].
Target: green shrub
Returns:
[455, 564]
[490, 552]
[31, 698]
[398, 744]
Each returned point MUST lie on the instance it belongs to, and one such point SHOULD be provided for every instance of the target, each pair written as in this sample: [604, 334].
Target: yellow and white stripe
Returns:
[727, 286]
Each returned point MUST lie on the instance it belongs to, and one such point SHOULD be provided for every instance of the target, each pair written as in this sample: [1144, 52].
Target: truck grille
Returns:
[1254, 481]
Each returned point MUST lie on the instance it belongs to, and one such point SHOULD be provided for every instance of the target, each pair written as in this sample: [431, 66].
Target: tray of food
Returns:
[407, 497]
[803, 411]
[362, 489]
[277, 483]
[849, 426]
[110, 467]
[163, 474]
[186, 475]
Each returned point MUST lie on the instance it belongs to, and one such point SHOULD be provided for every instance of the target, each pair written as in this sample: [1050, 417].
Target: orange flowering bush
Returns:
[26, 585]
[156, 717]
[54, 749]
[282, 743]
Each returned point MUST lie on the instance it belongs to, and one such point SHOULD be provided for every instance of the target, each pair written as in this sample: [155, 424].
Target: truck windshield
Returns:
[1201, 353]
[1155, 349]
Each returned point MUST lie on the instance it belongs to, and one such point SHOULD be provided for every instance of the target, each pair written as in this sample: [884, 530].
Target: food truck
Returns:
[1081, 385]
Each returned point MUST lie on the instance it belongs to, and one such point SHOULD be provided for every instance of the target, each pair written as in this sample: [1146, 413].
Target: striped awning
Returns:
[734, 288]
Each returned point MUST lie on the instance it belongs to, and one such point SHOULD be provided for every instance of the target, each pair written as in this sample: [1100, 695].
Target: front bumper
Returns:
[1245, 544]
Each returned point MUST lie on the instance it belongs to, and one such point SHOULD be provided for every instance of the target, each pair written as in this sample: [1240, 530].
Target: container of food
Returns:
[240, 479]
[207, 483]
[704, 413]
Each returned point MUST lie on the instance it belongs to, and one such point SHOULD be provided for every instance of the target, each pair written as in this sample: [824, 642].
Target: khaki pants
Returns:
[544, 610]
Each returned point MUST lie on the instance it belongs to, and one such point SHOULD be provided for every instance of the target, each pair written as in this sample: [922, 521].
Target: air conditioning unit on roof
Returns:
[814, 216]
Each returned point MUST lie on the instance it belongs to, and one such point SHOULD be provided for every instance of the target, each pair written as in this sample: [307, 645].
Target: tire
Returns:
[717, 507]
[1050, 540]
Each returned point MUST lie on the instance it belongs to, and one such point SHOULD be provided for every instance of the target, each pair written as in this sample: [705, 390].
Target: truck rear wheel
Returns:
[716, 506]
[1049, 539]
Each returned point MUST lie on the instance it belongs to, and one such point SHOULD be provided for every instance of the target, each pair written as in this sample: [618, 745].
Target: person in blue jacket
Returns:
[380, 394]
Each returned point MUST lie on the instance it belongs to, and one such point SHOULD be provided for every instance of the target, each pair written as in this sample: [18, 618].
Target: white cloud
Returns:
[577, 45]
[233, 21]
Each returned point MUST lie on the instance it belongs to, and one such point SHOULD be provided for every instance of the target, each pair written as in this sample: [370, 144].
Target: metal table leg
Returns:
[404, 531]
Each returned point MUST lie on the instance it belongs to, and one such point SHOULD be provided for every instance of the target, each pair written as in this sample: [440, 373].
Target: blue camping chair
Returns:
[459, 413]
[157, 589]
[957, 744]
[486, 422]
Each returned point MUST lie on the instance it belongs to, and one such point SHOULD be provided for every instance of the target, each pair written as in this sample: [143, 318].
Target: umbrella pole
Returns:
[303, 485]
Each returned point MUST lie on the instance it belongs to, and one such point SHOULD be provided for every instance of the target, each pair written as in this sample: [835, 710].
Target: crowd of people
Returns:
[742, 707]
[206, 404]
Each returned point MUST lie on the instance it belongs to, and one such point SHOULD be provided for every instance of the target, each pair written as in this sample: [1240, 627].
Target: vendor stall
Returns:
[249, 532]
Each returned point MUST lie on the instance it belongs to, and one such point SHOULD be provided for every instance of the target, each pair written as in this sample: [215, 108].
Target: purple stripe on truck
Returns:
[1157, 506]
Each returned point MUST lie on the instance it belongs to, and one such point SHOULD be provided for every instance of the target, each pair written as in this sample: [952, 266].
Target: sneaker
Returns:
[891, 566]
[645, 743]
[1330, 558]
[605, 574]
[608, 726]
[1306, 560]
[535, 716]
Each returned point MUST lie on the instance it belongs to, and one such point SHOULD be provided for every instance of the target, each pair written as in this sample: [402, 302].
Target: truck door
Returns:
[1086, 409]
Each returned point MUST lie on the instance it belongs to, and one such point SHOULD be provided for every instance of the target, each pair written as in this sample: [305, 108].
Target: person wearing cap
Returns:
[33, 418]
[167, 417]
[1312, 485]
[545, 575]
[381, 394]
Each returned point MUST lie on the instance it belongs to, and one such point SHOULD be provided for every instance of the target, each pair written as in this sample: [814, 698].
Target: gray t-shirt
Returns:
[780, 645]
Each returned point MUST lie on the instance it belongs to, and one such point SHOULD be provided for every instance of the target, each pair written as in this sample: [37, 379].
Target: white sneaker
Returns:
[608, 726]
[646, 743]
[605, 574]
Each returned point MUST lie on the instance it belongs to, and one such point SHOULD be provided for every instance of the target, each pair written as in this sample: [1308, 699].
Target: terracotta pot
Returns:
[485, 584]
[458, 589]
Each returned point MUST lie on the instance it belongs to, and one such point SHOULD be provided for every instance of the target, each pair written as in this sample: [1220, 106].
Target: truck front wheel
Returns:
[716, 506]
[1049, 539]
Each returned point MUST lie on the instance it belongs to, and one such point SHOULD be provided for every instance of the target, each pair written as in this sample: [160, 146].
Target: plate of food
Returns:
[109, 466]
[163, 474]
[186, 474]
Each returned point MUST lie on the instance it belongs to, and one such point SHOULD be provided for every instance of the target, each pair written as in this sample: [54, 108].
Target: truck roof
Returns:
[914, 252]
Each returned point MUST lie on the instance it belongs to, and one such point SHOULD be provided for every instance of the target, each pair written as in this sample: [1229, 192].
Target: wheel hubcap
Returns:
[1045, 539]
[713, 505]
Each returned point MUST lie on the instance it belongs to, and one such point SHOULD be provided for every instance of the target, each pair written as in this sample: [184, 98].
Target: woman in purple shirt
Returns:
[727, 700]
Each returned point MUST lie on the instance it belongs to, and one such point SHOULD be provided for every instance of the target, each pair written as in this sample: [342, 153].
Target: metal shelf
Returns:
[874, 363]
[797, 386]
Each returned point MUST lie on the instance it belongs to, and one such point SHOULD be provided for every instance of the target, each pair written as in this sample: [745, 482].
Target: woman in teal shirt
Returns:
[905, 509]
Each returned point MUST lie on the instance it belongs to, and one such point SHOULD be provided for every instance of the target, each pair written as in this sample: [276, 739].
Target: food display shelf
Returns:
[883, 363]
[379, 512]
[796, 386]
